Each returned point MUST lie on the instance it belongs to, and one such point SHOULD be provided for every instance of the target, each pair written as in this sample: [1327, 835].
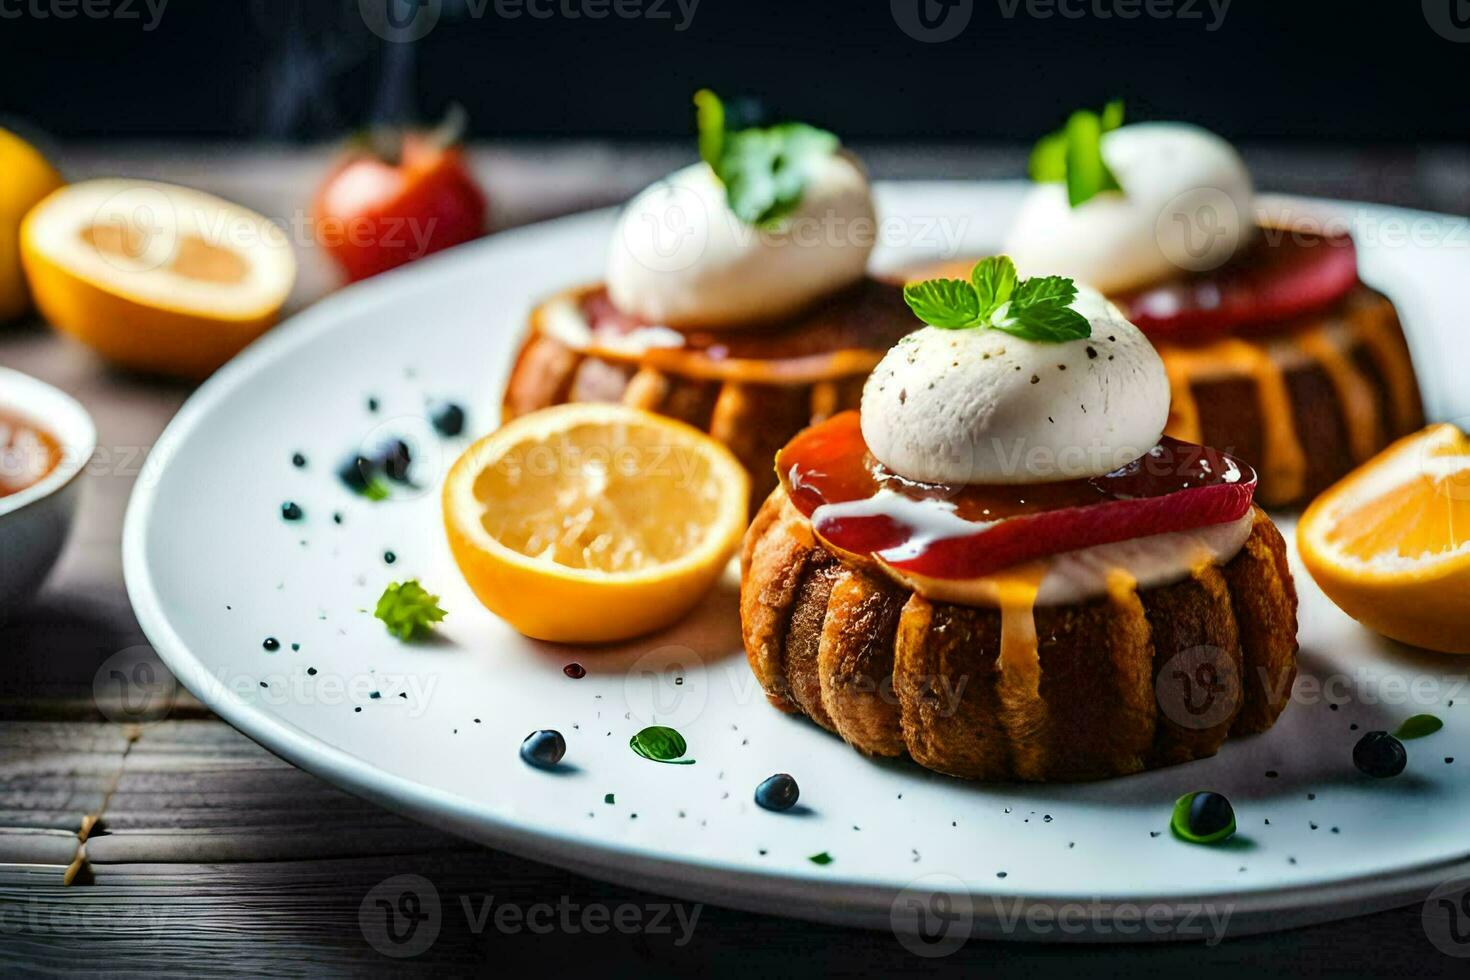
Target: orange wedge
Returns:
[154, 276]
[589, 523]
[1390, 543]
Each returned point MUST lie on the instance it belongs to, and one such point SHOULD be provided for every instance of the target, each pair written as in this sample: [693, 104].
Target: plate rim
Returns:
[834, 899]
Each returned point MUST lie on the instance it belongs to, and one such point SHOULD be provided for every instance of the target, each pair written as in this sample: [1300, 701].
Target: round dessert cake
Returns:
[736, 296]
[1137, 680]
[1275, 350]
[1002, 568]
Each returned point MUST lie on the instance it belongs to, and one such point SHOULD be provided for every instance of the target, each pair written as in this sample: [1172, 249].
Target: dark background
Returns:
[1352, 70]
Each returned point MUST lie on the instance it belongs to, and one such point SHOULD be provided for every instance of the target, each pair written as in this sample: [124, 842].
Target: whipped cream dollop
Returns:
[1186, 206]
[982, 406]
[682, 259]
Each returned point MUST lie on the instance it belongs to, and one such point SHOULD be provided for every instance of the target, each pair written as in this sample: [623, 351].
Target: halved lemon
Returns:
[154, 276]
[1390, 543]
[28, 178]
[590, 523]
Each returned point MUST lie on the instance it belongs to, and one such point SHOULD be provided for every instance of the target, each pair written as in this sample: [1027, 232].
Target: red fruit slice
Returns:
[964, 532]
[1280, 276]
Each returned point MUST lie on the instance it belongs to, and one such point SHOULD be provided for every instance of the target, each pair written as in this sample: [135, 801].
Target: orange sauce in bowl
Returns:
[28, 453]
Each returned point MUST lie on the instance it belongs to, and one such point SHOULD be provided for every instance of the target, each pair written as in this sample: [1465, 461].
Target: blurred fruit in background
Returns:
[25, 178]
[153, 276]
[398, 197]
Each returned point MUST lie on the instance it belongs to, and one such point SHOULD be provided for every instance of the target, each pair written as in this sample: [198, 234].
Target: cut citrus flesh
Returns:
[1390, 543]
[154, 276]
[589, 523]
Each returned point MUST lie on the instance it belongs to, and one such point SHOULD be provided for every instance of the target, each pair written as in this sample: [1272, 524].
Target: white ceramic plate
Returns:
[433, 730]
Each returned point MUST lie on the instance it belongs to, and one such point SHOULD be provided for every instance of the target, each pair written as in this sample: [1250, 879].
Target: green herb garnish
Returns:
[1202, 818]
[408, 611]
[823, 858]
[765, 170]
[660, 743]
[609, 798]
[1073, 154]
[1418, 726]
[375, 490]
[1032, 309]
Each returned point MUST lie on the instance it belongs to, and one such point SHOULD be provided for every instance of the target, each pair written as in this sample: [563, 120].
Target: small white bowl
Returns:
[34, 523]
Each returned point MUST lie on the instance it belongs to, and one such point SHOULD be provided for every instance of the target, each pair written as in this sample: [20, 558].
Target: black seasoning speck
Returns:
[447, 418]
[311, 672]
[1035, 380]
[389, 557]
[295, 646]
[1091, 353]
[337, 518]
[1000, 874]
[375, 694]
[1061, 367]
[1272, 774]
[291, 511]
[271, 644]
[575, 671]
[264, 684]
[358, 708]
[298, 460]
[1449, 759]
[372, 404]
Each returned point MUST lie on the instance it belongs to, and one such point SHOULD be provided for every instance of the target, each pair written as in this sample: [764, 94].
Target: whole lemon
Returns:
[27, 179]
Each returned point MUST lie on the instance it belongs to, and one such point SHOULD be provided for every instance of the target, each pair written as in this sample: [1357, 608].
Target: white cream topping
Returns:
[1185, 206]
[1082, 575]
[982, 406]
[681, 258]
[1071, 576]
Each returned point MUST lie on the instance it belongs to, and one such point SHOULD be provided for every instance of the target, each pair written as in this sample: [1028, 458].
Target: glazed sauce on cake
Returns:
[28, 454]
[869, 316]
[970, 531]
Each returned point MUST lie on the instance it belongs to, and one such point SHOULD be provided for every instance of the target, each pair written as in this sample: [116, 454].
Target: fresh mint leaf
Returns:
[947, 303]
[1041, 290]
[1073, 154]
[408, 610]
[994, 280]
[1048, 163]
[660, 743]
[709, 116]
[1047, 323]
[765, 170]
[1418, 726]
[1036, 309]
[1087, 174]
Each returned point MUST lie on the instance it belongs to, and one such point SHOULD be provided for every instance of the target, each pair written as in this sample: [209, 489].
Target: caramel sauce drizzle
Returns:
[1019, 686]
[1285, 464]
[1378, 332]
[1359, 406]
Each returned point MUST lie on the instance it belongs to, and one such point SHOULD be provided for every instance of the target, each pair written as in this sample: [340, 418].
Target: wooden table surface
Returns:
[176, 845]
